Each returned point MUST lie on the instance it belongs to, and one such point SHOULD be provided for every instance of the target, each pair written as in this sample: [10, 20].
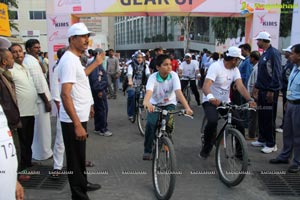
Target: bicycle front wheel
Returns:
[142, 120]
[164, 169]
[231, 157]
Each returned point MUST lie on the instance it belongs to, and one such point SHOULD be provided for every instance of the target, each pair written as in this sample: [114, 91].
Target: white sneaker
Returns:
[269, 149]
[279, 130]
[258, 144]
[106, 134]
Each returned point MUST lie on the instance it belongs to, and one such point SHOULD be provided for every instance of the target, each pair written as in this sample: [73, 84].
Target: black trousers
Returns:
[75, 155]
[266, 118]
[194, 89]
[212, 115]
[26, 138]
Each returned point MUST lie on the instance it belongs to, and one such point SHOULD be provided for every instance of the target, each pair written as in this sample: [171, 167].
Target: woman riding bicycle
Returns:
[162, 89]
[137, 74]
[216, 89]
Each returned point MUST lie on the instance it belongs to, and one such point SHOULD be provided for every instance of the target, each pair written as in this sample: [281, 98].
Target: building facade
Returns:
[134, 33]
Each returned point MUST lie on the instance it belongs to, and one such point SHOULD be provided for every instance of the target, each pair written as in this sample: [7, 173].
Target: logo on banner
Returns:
[61, 3]
[58, 24]
[56, 36]
[250, 6]
[264, 22]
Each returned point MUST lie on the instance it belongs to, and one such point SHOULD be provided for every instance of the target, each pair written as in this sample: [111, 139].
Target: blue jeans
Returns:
[151, 126]
[131, 102]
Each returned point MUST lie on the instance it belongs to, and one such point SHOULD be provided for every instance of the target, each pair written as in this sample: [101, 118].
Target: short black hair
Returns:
[161, 58]
[246, 47]
[255, 55]
[215, 56]
[13, 45]
[158, 49]
[296, 48]
[60, 52]
[30, 43]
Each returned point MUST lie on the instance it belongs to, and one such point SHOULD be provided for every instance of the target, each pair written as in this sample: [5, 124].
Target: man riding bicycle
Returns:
[188, 72]
[216, 89]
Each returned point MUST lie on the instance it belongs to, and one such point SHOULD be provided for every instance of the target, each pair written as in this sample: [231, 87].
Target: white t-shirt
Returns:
[189, 70]
[163, 91]
[70, 70]
[222, 79]
[8, 161]
[27, 95]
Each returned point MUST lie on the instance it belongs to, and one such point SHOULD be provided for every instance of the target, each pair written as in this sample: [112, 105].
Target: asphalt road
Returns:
[115, 156]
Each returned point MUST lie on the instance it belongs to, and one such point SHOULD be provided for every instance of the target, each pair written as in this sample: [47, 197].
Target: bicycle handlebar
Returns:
[166, 112]
[225, 105]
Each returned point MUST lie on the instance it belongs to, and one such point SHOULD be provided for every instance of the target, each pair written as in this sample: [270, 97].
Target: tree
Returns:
[11, 15]
[186, 24]
[286, 17]
[227, 27]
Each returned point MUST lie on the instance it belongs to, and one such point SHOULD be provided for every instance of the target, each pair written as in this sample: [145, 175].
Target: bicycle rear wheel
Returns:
[142, 120]
[164, 169]
[231, 157]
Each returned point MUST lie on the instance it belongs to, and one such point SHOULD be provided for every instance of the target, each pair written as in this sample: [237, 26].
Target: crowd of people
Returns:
[82, 83]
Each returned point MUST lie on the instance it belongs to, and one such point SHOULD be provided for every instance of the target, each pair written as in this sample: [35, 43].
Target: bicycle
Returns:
[164, 159]
[231, 155]
[140, 113]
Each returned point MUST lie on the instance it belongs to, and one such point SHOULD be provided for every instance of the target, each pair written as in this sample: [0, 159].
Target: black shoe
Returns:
[278, 161]
[294, 168]
[206, 149]
[92, 186]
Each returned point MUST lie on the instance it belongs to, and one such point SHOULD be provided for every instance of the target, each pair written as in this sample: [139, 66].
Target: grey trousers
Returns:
[291, 134]
[112, 84]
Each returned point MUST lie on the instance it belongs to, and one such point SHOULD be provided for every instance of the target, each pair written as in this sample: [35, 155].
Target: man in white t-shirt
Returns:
[74, 110]
[216, 89]
[189, 71]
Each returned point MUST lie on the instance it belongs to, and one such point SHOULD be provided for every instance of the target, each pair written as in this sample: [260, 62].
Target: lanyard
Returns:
[292, 80]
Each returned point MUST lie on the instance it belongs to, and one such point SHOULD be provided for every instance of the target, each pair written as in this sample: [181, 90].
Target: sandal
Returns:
[55, 174]
[89, 164]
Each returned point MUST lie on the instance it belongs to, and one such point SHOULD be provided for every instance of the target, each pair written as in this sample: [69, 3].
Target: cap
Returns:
[188, 55]
[235, 52]
[288, 49]
[79, 29]
[263, 36]
[4, 43]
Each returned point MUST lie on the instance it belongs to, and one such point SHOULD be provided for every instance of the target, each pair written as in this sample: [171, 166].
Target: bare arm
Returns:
[46, 102]
[68, 104]
[146, 102]
[207, 92]
[183, 101]
[242, 90]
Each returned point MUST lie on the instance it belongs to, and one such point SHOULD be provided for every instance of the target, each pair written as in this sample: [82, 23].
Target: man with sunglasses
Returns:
[216, 89]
